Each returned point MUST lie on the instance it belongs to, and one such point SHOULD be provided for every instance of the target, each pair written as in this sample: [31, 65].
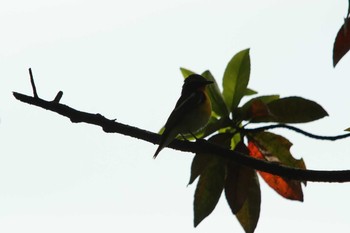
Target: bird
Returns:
[191, 113]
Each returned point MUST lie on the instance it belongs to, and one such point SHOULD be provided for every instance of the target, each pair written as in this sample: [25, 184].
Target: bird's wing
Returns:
[184, 105]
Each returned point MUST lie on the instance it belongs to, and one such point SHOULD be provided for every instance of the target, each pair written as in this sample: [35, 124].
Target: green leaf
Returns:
[293, 110]
[249, 91]
[236, 78]
[235, 140]
[217, 101]
[248, 215]
[201, 161]
[256, 108]
[185, 72]
[199, 164]
[211, 170]
[238, 181]
[208, 191]
[161, 131]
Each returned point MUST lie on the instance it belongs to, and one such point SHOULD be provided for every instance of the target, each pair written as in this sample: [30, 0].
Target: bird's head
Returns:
[195, 81]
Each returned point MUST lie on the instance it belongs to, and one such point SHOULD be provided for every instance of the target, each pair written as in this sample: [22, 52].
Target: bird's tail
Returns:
[157, 151]
[166, 138]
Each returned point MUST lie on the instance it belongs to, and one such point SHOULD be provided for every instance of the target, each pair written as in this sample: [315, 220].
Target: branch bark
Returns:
[112, 126]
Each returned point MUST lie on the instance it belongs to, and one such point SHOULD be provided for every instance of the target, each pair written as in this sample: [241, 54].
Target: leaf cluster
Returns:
[226, 128]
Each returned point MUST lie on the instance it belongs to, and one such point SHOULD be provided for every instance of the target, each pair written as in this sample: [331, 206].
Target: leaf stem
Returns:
[295, 129]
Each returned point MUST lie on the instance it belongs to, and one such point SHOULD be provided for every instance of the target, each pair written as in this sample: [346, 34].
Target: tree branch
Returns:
[111, 126]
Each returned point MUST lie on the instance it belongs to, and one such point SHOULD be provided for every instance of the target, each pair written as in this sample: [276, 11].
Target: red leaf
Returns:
[287, 188]
[290, 189]
[342, 42]
[256, 108]
[259, 109]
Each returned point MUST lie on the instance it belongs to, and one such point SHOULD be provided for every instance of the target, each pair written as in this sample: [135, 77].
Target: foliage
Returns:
[342, 40]
[217, 175]
[227, 128]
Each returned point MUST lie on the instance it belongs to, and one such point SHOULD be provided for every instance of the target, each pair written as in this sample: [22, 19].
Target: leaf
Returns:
[238, 181]
[290, 189]
[249, 214]
[342, 42]
[287, 188]
[161, 131]
[211, 171]
[236, 139]
[249, 91]
[217, 101]
[296, 110]
[236, 78]
[185, 72]
[256, 108]
[199, 164]
[202, 160]
[275, 148]
[293, 110]
[208, 191]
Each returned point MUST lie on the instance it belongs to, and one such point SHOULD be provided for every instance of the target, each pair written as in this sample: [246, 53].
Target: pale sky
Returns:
[122, 59]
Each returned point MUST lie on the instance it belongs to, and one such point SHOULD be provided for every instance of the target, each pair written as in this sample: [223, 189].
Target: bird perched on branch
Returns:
[191, 113]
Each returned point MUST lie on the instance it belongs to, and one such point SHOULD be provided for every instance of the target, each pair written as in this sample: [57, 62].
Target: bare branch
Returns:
[111, 126]
[200, 146]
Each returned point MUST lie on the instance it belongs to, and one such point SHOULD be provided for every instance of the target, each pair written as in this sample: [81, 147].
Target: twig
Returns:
[35, 93]
[58, 97]
[329, 138]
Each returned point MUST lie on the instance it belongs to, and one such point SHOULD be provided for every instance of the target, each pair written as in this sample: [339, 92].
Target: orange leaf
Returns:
[287, 188]
[290, 189]
[256, 108]
[259, 109]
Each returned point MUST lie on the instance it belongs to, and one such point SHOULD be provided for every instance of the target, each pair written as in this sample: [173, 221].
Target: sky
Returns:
[122, 59]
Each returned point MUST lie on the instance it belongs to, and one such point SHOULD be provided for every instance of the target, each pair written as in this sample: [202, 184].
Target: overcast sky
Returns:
[122, 59]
